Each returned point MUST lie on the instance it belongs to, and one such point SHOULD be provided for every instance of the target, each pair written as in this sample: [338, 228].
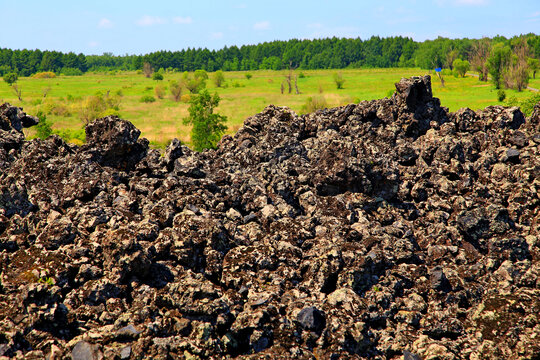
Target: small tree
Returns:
[200, 74]
[498, 63]
[248, 76]
[18, 91]
[339, 80]
[10, 78]
[43, 128]
[207, 127]
[516, 75]
[159, 91]
[534, 65]
[219, 78]
[147, 69]
[157, 76]
[461, 67]
[480, 52]
[197, 83]
[176, 90]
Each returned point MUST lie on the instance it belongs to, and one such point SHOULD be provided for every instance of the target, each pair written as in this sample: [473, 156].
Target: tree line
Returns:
[330, 53]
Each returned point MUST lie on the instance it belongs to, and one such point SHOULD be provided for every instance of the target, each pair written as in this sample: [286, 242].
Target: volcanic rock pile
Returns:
[389, 229]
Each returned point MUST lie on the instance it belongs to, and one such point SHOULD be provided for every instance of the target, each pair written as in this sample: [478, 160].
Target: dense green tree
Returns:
[207, 127]
[497, 63]
[10, 78]
[460, 67]
[534, 65]
[219, 78]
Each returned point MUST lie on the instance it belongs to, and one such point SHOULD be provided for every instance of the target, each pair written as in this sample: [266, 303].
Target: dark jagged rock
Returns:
[12, 117]
[387, 229]
[114, 142]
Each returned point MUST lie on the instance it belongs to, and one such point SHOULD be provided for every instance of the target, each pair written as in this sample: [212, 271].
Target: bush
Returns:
[176, 90]
[157, 76]
[248, 76]
[200, 74]
[51, 107]
[71, 71]
[338, 79]
[147, 99]
[44, 75]
[219, 78]
[301, 75]
[512, 101]
[96, 106]
[460, 67]
[71, 135]
[185, 98]
[313, 104]
[43, 128]
[207, 127]
[501, 95]
[527, 105]
[10, 78]
[159, 91]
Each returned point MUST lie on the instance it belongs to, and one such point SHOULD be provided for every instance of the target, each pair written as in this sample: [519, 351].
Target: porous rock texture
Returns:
[389, 229]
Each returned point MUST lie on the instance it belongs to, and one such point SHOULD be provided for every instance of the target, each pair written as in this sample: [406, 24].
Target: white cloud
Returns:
[182, 20]
[148, 20]
[105, 24]
[263, 25]
[216, 35]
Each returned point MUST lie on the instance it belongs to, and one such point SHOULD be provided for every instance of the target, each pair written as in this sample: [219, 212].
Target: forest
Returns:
[330, 53]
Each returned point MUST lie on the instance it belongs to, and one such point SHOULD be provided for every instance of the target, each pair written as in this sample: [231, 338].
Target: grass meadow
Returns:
[160, 121]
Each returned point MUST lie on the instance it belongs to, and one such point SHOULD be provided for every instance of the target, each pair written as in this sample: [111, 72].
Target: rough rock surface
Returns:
[389, 229]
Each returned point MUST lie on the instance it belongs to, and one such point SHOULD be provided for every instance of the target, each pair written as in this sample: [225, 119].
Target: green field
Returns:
[161, 120]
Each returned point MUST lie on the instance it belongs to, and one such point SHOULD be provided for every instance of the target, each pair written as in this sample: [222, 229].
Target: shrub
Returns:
[460, 67]
[527, 105]
[71, 135]
[147, 99]
[44, 75]
[157, 76]
[219, 78]
[159, 91]
[501, 95]
[10, 78]
[147, 69]
[248, 76]
[71, 71]
[43, 128]
[176, 90]
[301, 75]
[313, 104]
[96, 106]
[512, 101]
[200, 74]
[185, 98]
[207, 127]
[50, 107]
[338, 79]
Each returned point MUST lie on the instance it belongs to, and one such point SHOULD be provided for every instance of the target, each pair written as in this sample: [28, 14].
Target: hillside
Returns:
[387, 229]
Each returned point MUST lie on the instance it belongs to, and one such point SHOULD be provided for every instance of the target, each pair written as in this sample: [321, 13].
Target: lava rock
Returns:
[311, 319]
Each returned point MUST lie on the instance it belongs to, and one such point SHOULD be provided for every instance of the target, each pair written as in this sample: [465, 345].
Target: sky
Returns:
[139, 27]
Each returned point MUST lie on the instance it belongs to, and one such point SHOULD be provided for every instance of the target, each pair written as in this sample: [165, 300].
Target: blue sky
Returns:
[138, 27]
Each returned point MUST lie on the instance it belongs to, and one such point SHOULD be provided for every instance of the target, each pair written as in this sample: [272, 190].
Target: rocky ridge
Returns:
[388, 229]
